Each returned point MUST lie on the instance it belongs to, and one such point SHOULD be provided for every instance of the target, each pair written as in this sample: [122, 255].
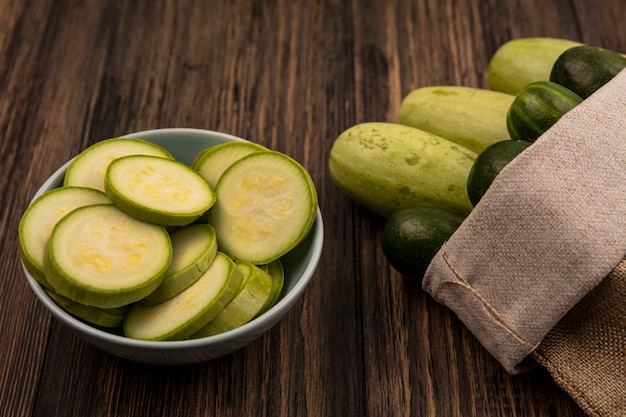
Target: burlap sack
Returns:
[534, 272]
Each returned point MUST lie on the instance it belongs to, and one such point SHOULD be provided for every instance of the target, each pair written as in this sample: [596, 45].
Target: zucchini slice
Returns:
[253, 294]
[212, 162]
[40, 218]
[101, 317]
[158, 190]
[100, 256]
[89, 167]
[266, 204]
[185, 313]
[194, 249]
[277, 272]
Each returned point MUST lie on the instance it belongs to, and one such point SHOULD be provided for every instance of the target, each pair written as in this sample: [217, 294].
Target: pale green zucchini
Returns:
[472, 117]
[40, 218]
[519, 62]
[99, 256]
[253, 294]
[386, 167]
[187, 312]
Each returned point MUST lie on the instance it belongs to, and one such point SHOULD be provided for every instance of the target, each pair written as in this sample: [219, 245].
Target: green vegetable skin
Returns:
[413, 236]
[584, 69]
[522, 61]
[472, 117]
[537, 107]
[387, 167]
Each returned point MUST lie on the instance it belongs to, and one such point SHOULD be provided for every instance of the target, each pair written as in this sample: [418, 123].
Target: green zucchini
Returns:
[387, 167]
[413, 236]
[537, 107]
[89, 167]
[584, 69]
[472, 117]
[488, 165]
[519, 62]
[99, 256]
[266, 204]
[158, 190]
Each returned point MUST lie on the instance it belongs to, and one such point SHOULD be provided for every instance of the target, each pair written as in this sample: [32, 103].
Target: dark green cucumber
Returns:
[584, 69]
[488, 165]
[413, 236]
[537, 107]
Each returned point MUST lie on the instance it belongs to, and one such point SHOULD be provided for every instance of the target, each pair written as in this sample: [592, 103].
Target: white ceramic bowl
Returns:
[299, 265]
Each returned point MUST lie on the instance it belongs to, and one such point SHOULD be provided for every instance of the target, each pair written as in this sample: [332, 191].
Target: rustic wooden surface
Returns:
[290, 75]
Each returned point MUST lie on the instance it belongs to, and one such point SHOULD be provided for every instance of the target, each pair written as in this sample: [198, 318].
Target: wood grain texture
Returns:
[290, 75]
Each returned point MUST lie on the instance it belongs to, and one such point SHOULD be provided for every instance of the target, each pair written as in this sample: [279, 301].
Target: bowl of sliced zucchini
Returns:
[172, 246]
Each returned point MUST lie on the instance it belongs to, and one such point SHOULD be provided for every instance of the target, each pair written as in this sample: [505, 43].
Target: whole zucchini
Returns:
[519, 62]
[472, 117]
[387, 167]
[584, 69]
[537, 107]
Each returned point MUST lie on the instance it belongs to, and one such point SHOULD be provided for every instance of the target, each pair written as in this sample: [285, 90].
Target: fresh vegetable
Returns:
[100, 256]
[158, 190]
[181, 316]
[89, 167]
[413, 236]
[101, 317]
[40, 218]
[266, 204]
[144, 246]
[522, 61]
[387, 167]
[472, 117]
[488, 165]
[537, 107]
[213, 161]
[194, 248]
[254, 291]
[277, 272]
[584, 69]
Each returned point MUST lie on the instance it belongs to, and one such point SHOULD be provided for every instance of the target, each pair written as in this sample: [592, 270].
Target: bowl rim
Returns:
[262, 322]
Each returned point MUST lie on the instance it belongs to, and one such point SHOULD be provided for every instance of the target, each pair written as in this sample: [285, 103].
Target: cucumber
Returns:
[158, 190]
[472, 117]
[386, 167]
[266, 204]
[213, 161]
[89, 167]
[194, 248]
[182, 315]
[584, 69]
[522, 61]
[537, 107]
[101, 317]
[40, 218]
[412, 237]
[488, 165]
[246, 304]
[100, 256]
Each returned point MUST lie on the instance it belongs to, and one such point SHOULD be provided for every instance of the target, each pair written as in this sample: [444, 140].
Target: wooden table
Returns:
[290, 75]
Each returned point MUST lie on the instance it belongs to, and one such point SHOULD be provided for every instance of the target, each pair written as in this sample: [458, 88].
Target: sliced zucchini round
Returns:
[246, 304]
[102, 317]
[194, 249]
[89, 167]
[213, 161]
[158, 190]
[100, 256]
[277, 272]
[40, 218]
[185, 313]
[266, 204]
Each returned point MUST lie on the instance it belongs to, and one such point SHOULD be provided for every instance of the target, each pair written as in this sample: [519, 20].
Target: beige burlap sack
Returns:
[536, 271]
